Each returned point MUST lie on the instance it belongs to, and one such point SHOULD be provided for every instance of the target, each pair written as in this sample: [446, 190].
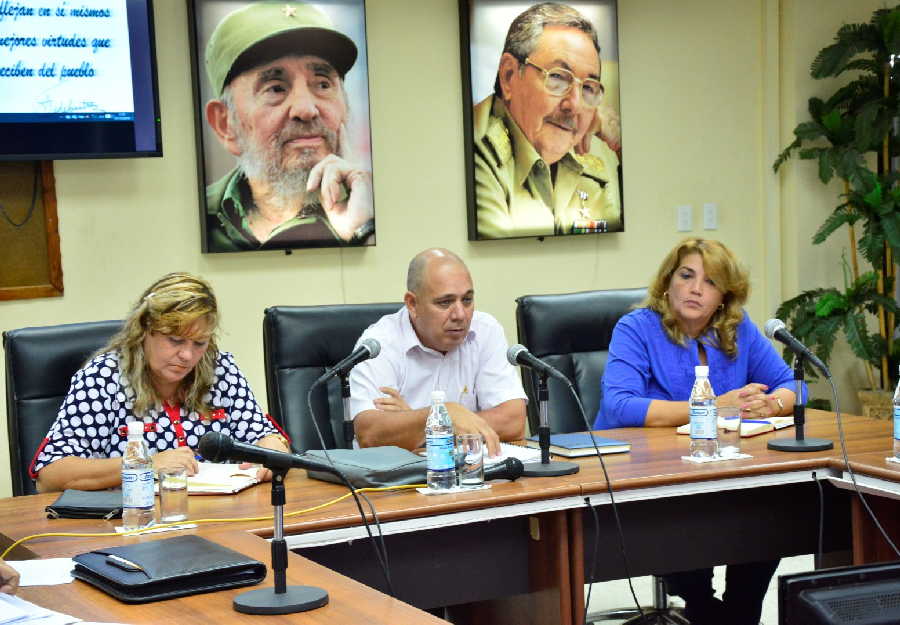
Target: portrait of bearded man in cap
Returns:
[286, 144]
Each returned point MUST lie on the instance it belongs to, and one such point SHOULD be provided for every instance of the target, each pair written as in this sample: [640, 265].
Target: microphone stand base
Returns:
[267, 601]
[554, 468]
[806, 444]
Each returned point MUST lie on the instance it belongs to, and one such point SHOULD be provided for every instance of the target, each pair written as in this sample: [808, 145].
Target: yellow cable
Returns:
[157, 526]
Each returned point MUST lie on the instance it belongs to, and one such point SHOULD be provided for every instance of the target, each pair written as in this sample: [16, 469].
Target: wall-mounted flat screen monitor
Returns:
[78, 80]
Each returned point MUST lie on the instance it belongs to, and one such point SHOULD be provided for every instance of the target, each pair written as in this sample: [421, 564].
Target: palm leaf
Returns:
[851, 40]
[859, 340]
[842, 215]
[785, 155]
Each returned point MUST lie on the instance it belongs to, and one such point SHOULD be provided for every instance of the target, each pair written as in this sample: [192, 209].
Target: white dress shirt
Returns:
[475, 374]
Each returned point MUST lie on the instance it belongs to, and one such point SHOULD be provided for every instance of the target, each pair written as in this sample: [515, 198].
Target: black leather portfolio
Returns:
[372, 466]
[86, 504]
[164, 569]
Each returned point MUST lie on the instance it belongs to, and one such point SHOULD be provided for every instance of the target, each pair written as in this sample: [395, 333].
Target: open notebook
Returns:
[220, 479]
[507, 450]
[749, 427]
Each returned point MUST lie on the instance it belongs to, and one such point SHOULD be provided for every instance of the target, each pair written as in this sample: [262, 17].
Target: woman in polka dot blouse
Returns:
[164, 369]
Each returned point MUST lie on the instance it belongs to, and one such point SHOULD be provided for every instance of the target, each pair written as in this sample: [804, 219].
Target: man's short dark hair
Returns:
[526, 29]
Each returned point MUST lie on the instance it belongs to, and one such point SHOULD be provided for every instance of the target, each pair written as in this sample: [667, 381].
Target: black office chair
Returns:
[40, 363]
[300, 343]
[572, 332]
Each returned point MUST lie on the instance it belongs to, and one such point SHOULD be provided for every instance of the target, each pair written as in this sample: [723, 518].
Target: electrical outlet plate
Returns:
[683, 218]
[710, 216]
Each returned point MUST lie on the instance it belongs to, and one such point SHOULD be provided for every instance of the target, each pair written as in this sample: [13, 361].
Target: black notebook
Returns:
[576, 444]
[163, 569]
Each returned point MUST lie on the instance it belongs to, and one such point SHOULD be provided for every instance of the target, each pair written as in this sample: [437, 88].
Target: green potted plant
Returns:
[852, 136]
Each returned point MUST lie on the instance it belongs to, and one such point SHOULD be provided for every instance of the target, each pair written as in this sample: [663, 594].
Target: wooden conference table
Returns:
[522, 550]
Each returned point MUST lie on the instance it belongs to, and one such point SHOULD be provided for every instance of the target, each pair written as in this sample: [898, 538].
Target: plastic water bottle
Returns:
[897, 420]
[704, 416]
[138, 501]
[439, 445]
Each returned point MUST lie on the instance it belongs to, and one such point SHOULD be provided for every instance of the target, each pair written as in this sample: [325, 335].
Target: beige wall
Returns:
[710, 91]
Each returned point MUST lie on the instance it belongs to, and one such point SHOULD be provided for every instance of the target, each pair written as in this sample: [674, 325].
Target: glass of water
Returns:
[730, 435]
[470, 463]
[173, 495]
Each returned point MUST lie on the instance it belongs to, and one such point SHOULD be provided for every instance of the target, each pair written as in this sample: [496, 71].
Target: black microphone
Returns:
[509, 469]
[775, 329]
[519, 355]
[368, 348]
[218, 447]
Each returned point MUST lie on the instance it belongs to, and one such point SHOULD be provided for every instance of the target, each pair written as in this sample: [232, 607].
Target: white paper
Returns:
[47, 572]
[525, 454]
[456, 490]
[716, 458]
[221, 478]
[157, 530]
[21, 612]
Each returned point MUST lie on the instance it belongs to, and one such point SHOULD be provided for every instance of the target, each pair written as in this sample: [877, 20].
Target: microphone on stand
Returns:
[775, 330]
[368, 348]
[519, 355]
[510, 469]
[281, 598]
[218, 447]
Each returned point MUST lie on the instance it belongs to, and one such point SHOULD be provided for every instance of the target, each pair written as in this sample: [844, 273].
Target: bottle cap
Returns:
[135, 429]
[437, 396]
[701, 371]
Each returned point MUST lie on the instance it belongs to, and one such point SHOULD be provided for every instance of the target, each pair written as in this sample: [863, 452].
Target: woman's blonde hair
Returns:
[730, 278]
[171, 305]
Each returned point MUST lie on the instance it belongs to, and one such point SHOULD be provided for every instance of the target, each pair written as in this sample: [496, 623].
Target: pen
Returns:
[122, 563]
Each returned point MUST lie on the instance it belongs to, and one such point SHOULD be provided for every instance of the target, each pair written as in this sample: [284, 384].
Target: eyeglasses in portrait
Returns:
[542, 118]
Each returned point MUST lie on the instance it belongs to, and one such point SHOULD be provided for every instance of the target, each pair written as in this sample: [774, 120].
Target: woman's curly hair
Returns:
[174, 304]
[729, 277]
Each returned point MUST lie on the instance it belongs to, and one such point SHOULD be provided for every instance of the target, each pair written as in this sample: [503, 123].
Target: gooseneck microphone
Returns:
[281, 598]
[519, 355]
[775, 329]
[368, 348]
[218, 447]
[509, 469]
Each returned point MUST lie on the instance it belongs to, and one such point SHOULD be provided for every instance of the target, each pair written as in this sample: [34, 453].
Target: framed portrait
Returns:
[542, 118]
[284, 149]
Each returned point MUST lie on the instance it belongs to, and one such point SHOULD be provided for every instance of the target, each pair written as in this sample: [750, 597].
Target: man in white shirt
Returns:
[437, 341]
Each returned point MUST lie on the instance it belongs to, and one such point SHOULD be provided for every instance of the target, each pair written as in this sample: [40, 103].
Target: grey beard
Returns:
[287, 185]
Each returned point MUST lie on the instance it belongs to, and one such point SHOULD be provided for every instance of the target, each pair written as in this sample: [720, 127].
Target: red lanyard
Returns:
[174, 413]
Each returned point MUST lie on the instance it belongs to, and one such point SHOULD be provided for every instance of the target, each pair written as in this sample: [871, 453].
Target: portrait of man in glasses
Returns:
[539, 168]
